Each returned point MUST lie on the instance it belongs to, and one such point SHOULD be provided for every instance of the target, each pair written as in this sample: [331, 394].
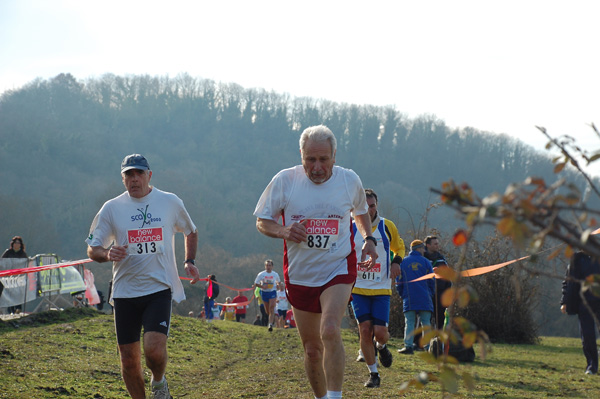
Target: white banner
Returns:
[20, 288]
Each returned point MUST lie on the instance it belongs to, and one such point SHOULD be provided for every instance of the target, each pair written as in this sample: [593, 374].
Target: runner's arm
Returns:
[100, 254]
[296, 232]
[363, 225]
[397, 246]
[191, 246]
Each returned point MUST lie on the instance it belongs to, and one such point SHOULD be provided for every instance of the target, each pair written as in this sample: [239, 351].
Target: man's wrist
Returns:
[371, 238]
[190, 261]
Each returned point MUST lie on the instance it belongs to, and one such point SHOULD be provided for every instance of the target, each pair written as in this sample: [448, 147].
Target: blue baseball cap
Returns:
[134, 161]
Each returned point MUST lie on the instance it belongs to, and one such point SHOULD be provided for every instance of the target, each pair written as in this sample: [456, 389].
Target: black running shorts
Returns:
[153, 312]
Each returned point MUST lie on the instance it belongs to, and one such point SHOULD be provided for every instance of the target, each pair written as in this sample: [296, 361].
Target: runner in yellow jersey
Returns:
[372, 292]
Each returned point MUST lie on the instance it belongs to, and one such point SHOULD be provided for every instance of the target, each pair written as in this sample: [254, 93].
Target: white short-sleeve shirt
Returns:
[148, 226]
[268, 279]
[327, 210]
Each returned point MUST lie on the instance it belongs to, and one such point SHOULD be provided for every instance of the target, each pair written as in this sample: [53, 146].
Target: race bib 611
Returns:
[145, 241]
[372, 274]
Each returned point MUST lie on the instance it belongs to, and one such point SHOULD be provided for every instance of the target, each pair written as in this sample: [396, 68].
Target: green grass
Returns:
[73, 354]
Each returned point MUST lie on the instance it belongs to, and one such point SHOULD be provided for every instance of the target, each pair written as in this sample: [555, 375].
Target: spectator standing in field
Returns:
[15, 250]
[416, 296]
[585, 305]
[373, 289]
[432, 252]
[211, 293]
[316, 201]
[240, 311]
[136, 232]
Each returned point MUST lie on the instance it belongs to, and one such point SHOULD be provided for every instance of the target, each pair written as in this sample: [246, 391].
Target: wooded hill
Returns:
[217, 145]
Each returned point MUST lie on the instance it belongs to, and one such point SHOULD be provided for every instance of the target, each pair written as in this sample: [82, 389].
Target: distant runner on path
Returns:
[267, 281]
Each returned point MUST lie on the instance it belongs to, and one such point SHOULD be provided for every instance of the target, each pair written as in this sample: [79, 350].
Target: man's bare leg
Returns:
[334, 301]
[366, 341]
[131, 370]
[308, 325]
[155, 351]
[271, 310]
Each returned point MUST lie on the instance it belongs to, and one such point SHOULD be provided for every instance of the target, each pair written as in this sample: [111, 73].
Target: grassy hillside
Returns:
[73, 354]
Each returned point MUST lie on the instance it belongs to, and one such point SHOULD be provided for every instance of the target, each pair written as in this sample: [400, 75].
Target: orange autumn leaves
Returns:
[527, 213]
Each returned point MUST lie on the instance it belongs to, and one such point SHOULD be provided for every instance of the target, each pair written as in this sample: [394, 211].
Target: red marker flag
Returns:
[209, 292]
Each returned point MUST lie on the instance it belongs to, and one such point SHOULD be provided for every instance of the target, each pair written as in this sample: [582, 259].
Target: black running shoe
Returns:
[374, 381]
[406, 351]
[385, 356]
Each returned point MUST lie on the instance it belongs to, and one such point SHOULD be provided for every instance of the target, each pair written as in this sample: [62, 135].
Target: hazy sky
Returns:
[499, 66]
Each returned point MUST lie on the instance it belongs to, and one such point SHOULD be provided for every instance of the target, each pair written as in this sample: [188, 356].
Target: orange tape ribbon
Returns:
[471, 272]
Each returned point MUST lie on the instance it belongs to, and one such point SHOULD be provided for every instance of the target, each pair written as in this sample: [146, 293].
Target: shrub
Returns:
[503, 302]
[506, 298]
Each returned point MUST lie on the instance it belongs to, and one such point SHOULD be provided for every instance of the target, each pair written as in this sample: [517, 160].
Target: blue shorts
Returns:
[375, 308]
[267, 295]
[153, 312]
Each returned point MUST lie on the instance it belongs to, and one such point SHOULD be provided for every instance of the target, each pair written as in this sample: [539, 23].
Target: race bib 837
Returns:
[322, 233]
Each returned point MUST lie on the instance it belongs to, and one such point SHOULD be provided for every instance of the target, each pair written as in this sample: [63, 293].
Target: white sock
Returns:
[334, 394]
[324, 397]
[379, 346]
[155, 383]
[372, 367]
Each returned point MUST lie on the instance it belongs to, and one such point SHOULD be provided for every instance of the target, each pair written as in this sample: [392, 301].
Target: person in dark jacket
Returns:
[432, 252]
[16, 250]
[417, 296]
[584, 304]
[210, 296]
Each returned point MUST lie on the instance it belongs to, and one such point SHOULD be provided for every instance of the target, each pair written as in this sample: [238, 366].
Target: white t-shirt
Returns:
[282, 301]
[328, 207]
[268, 279]
[148, 226]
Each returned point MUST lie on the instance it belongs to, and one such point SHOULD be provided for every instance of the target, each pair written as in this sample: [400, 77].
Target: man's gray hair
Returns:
[318, 133]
